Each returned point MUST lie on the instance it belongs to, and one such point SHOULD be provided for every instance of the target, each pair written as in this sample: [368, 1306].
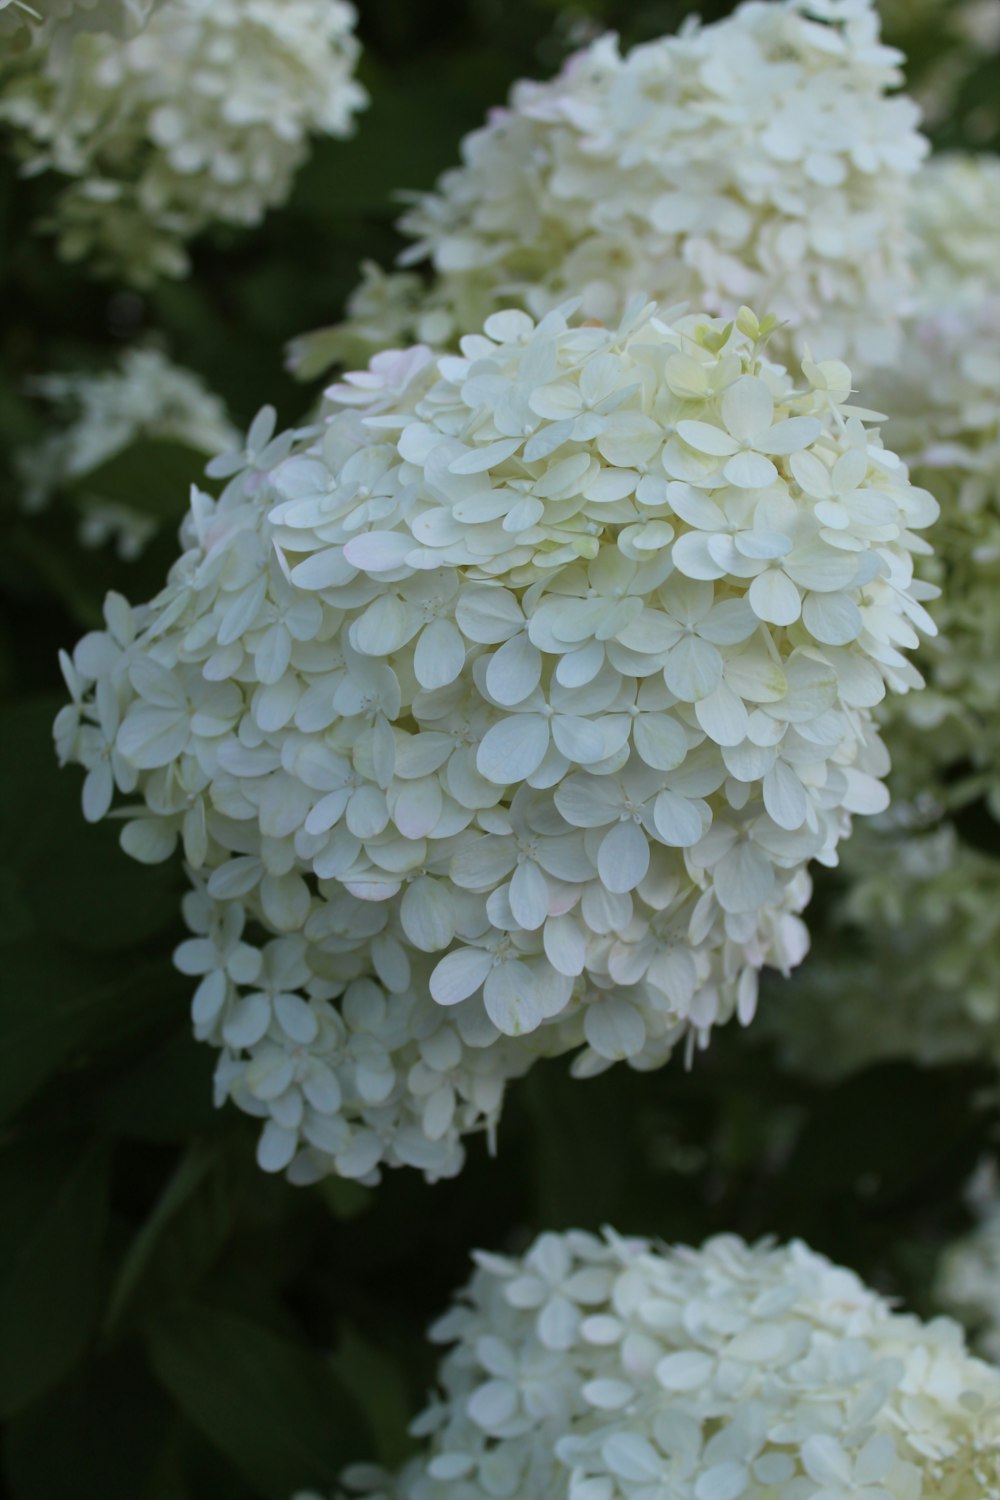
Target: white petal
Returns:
[614, 1028]
[723, 716]
[693, 670]
[459, 975]
[825, 1461]
[865, 794]
[440, 655]
[529, 896]
[324, 570]
[385, 626]
[589, 801]
[747, 407]
[834, 619]
[511, 750]
[377, 551]
[774, 598]
[750, 471]
[426, 914]
[286, 901]
[296, 1018]
[627, 1454]
[510, 999]
[744, 878]
[478, 460]
[149, 840]
[623, 858]
[98, 790]
[247, 1021]
[578, 739]
[416, 807]
[514, 671]
[276, 1147]
[367, 812]
[660, 741]
[790, 436]
[692, 557]
[483, 862]
[685, 1371]
[488, 614]
[725, 1481]
[677, 820]
[705, 438]
[564, 946]
[153, 737]
[784, 796]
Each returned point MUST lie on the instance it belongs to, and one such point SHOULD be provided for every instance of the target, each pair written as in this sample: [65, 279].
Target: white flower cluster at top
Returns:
[513, 702]
[759, 159]
[147, 396]
[610, 1369]
[911, 967]
[968, 1282]
[200, 119]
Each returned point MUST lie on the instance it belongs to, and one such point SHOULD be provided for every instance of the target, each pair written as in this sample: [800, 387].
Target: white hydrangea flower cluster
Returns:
[919, 976]
[146, 396]
[911, 969]
[531, 681]
[759, 159]
[953, 214]
[946, 422]
[968, 1282]
[202, 118]
[603, 1368]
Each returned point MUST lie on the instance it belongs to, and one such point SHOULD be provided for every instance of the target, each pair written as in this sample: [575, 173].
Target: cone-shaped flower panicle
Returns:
[765, 158]
[502, 712]
[603, 1368]
[202, 117]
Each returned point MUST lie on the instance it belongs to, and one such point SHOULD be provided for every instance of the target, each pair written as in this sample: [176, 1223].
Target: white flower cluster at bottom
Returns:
[609, 1369]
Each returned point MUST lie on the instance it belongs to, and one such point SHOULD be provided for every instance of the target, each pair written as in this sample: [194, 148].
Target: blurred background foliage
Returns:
[174, 1325]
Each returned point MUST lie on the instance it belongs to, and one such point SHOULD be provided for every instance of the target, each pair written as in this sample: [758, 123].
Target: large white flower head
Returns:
[529, 683]
[146, 396]
[911, 968]
[202, 118]
[946, 422]
[603, 1368]
[760, 159]
[968, 1282]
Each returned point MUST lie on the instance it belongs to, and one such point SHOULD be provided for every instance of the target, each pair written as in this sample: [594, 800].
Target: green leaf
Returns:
[165, 1095]
[185, 1233]
[53, 1214]
[33, 1039]
[271, 1406]
[379, 1385]
[103, 1432]
[75, 881]
[153, 476]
